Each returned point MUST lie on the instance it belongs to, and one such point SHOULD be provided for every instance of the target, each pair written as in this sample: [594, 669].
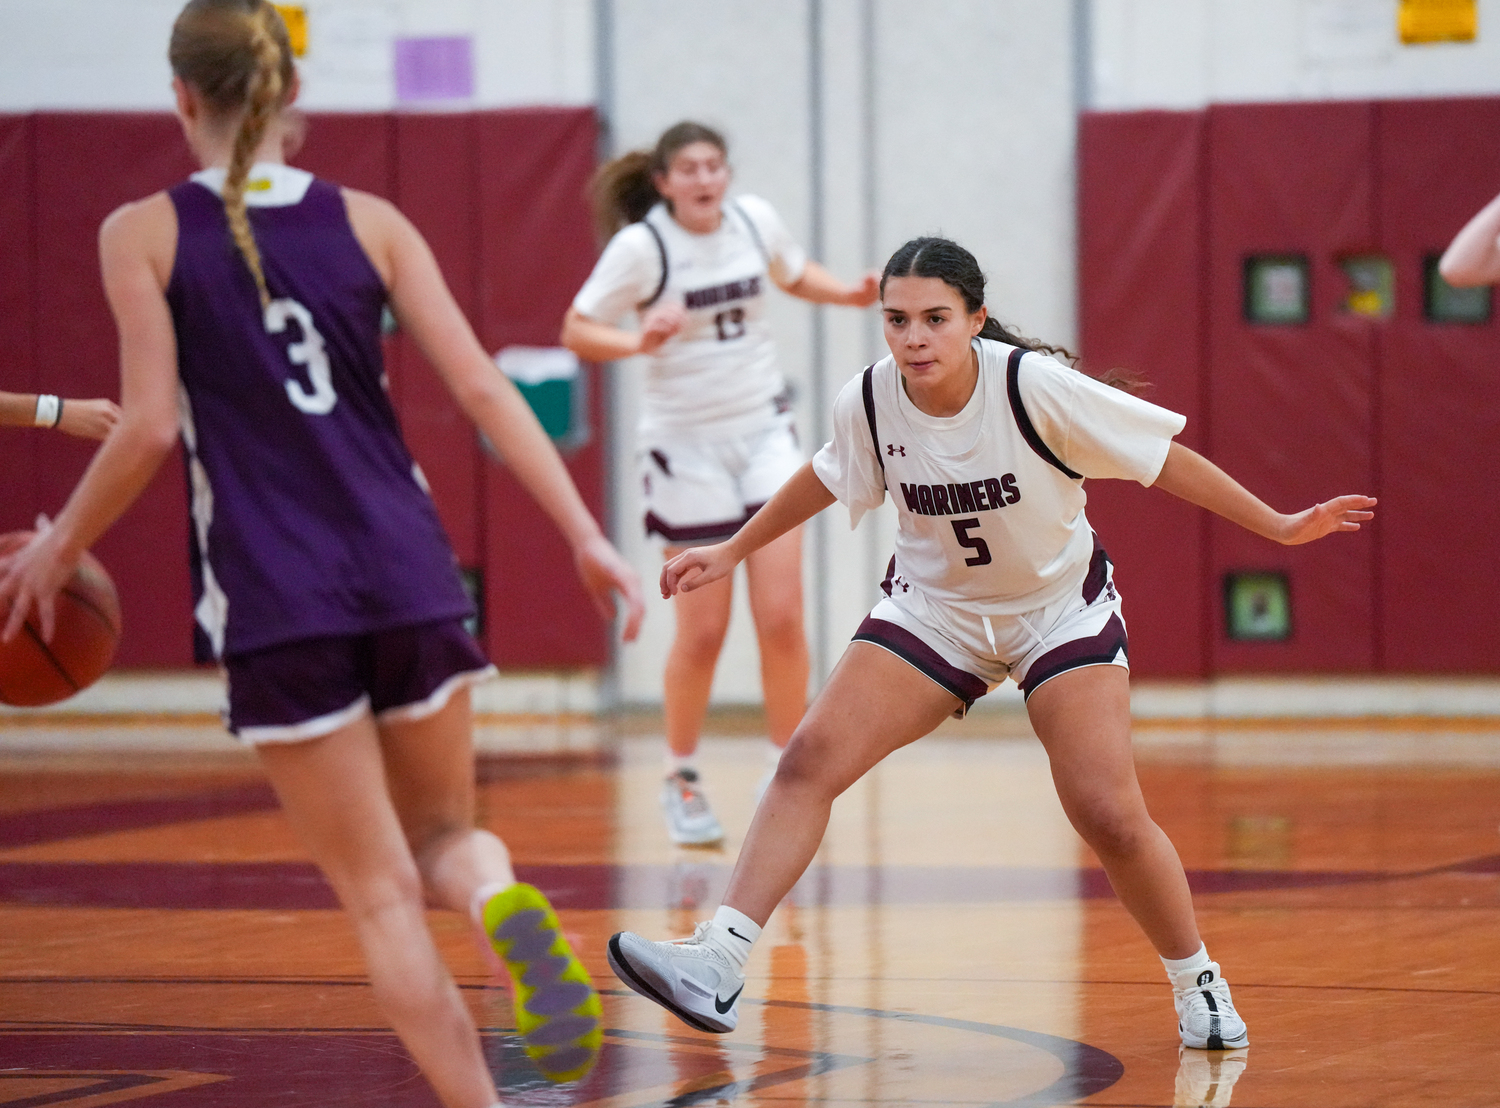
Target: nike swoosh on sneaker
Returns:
[738, 936]
[723, 1006]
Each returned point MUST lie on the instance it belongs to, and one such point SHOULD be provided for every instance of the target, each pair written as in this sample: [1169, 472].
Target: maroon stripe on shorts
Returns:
[1098, 650]
[912, 650]
[699, 532]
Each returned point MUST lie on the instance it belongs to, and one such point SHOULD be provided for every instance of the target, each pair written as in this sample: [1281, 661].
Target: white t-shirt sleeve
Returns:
[1094, 429]
[787, 258]
[847, 466]
[625, 276]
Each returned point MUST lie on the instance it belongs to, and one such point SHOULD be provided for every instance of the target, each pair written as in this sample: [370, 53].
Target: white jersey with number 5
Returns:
[718, 375]
[991, 500]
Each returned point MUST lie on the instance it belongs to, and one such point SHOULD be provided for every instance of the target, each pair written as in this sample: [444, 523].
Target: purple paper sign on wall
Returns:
[434, 68]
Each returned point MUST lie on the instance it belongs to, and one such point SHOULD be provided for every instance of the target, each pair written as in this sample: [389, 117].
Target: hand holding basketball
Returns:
[70, 640]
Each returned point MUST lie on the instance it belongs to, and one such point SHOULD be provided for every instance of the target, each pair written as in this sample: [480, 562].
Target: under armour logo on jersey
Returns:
[893, 450]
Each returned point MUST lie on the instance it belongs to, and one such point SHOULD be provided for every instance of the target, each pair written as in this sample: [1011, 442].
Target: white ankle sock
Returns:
[676, 763]
[481, 897]
[1193, 962]
[733, 933]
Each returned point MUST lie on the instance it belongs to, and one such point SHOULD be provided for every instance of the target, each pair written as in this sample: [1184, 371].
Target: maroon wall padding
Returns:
[87, 165]
[17, 371]
[537, 249]
[515, 201]
[1291, 407]
[1439, 522]
[1140, 251]
[435, 166]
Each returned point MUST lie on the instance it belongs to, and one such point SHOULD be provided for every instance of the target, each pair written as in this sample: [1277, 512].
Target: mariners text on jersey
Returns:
[954, 499]
[721, 294]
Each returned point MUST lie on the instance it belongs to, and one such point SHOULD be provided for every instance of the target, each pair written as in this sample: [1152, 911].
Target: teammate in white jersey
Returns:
[716, 437]
[983, 442]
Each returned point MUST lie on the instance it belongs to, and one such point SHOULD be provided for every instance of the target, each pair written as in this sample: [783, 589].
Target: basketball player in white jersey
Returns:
[716, 438]
[983, 441]
[1473, 257]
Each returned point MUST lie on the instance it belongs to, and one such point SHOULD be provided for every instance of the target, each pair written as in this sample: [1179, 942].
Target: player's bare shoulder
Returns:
[144, 229]
[380, 228]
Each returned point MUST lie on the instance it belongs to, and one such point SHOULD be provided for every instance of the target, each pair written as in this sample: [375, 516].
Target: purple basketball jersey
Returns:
[308, 515]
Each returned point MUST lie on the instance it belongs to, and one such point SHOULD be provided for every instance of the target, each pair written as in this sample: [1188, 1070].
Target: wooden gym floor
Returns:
[164, 941]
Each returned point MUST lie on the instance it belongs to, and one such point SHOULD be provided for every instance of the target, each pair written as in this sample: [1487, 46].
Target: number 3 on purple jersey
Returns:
[961, 529]
[309, 352]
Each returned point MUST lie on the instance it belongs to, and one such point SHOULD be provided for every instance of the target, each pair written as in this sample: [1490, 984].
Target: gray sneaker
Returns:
[690, 821]
[1206, 1018]
[687, 977]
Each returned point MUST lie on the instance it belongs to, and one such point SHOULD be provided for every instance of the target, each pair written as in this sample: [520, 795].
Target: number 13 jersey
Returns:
[717, 376]
[990, 501]
[309, 517]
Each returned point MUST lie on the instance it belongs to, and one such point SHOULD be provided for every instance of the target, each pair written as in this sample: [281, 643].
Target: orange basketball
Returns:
[33, 672]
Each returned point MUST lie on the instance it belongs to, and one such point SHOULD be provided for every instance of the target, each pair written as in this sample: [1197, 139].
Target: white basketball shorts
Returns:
[701, 490]
[969, 655]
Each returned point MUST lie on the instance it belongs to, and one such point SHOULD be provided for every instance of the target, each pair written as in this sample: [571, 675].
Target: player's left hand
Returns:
[605, 572]
[865, 292]
[1342, 513]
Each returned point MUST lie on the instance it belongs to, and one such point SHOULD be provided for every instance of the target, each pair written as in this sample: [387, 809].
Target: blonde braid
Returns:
[263, 99]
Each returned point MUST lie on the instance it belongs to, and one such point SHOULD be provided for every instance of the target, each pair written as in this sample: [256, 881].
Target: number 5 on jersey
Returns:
[961, 529]
[309, 351]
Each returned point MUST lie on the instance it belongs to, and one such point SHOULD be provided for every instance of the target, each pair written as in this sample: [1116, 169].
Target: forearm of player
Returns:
[802, 497]
[597, 342]
[116, 476]
[819, 286]
[17, 409]
[1192, 477]
[1473, 257]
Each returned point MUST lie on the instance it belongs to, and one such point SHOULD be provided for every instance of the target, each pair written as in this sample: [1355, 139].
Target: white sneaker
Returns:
[1206, 1079]
[1206, 1017]
[687, 977]
[690, 821]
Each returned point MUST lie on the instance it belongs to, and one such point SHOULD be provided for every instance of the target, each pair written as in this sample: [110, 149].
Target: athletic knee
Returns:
[700, 642]
[781, 632]
[805, 768]
[1113, 829]
[396, 888]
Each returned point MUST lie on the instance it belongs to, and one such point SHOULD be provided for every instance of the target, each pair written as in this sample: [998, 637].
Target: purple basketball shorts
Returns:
[312, 687]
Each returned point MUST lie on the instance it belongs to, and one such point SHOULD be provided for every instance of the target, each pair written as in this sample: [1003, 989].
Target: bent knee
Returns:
[1113, 830]
[804, 766]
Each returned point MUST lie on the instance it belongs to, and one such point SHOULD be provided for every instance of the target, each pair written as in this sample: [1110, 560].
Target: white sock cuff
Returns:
[675, 763]
[481, 898]
[744, 927]
[734, 933]
[1192, 961]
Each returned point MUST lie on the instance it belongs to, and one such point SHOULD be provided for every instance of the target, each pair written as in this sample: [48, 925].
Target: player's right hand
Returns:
[695, 568]
[660, 324]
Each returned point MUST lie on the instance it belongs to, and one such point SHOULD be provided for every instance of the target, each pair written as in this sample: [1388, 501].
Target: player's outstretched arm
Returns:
[427, 311]
[1197, 480]
[136, 246]
[88, 419]
[819, 286]
[1473, 257]
[797, 501]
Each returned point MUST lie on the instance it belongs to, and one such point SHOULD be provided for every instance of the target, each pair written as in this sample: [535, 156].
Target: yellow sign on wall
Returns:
[295, 18]
[1438, 21]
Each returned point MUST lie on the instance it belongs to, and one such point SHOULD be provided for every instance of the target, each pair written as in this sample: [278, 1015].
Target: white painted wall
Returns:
[92, 54]
[1191, 53]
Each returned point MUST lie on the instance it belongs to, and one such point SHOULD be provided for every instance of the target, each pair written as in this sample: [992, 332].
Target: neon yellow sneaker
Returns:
[558, 1014]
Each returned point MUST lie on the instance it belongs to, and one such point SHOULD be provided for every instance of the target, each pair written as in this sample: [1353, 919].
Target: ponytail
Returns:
[623, 190]
[238, 56]
[959, 270]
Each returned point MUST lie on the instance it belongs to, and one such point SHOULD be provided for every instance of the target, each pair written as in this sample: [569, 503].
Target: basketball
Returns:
[33, 672]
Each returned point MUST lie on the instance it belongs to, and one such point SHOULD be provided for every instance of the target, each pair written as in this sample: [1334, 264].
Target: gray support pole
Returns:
[817, 243]
[604, 105]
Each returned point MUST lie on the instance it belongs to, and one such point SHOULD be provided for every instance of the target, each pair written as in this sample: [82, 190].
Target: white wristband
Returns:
[48, 411]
